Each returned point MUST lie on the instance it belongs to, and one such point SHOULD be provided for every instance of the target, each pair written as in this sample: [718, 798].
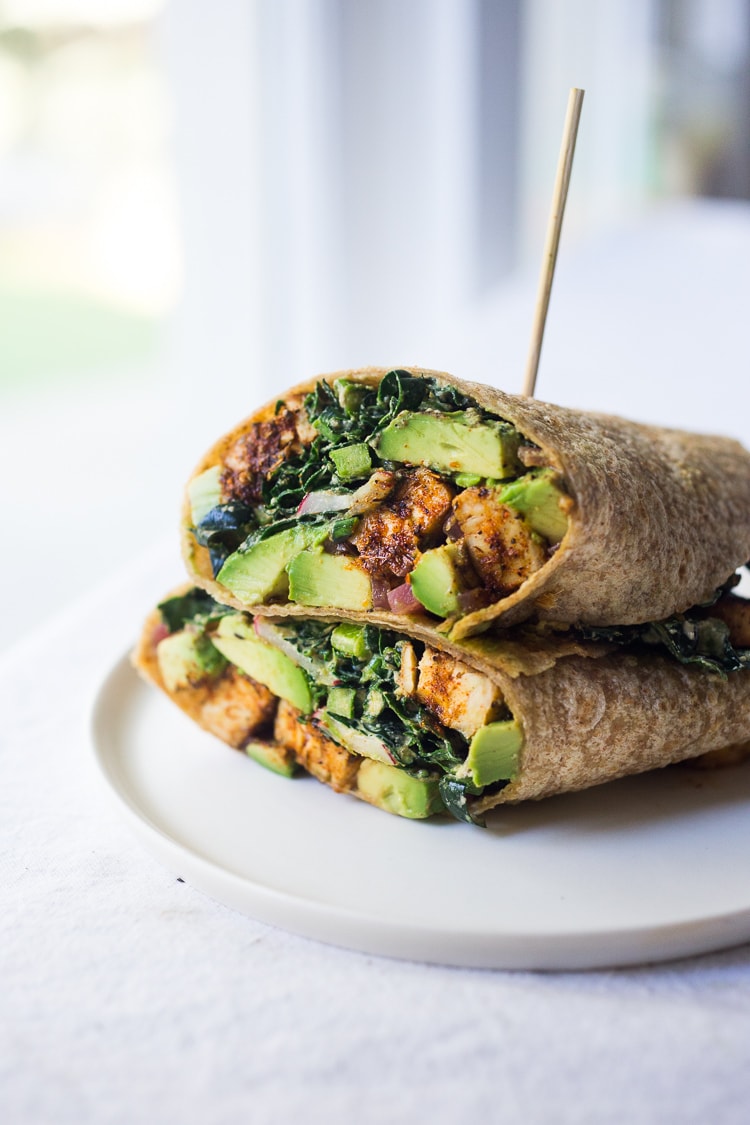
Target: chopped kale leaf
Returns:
[414, 737]
[195, 608]
[223, 529]
[455, 793]
[348, 413]
[691, 638]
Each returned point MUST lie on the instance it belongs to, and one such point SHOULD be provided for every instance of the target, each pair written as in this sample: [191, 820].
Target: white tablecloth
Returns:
[125, 995]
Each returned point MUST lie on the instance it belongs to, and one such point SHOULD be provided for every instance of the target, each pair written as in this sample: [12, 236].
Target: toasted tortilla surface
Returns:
[661, 518]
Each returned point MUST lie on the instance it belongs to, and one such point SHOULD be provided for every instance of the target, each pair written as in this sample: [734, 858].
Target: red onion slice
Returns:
[402, 600]
[380, 591]
[470, 600]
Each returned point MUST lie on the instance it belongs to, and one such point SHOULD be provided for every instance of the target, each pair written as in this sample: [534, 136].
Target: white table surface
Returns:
[126, 995]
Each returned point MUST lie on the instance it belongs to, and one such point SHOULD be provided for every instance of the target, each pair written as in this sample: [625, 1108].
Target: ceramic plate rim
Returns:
[355, 929]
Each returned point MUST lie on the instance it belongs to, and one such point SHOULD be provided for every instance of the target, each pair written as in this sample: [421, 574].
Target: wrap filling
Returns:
[400, 724]
[406, 496]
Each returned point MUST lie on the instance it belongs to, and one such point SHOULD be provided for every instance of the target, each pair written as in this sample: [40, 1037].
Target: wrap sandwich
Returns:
[417, 724]
[410, 493]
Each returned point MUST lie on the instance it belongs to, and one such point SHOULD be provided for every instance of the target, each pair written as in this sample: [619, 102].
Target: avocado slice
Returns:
[436, 582]
[350, 640]
[236, 639]
[204, 493]
[493, 753]
[273, 757]
[453, 443]
[396, 791]
[356, 741]
[537, 497]
[316, 578]
[259, 573]
[352, 461]
[186, 659]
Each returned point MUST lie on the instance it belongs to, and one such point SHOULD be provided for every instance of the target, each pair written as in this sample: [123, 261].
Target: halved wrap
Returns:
[418, 724]
[414, 493]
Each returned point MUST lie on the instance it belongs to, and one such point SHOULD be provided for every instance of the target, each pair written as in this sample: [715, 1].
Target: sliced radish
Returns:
[356, 741]
[273, 635]
[316, 502]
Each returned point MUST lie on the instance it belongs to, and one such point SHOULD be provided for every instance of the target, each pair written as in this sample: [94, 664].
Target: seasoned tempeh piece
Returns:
[314, 750]
[502, 547]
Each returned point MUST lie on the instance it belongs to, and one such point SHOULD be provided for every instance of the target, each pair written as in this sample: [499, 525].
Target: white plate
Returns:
[643, 869]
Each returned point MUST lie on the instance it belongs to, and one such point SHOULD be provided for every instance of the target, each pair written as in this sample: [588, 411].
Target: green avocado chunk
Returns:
[435, 581]
[273, 757]
[493, 753]
[240, 644]
[316, 578]
[350, 640]
[396, 791]
[352, 461]
[341, 701]
[537, 497]
[453, 443]
[186, 659]
[259, 573]
[204, 493]
[350, 394]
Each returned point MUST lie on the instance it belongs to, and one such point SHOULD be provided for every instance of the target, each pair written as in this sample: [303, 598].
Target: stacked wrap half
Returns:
[578, 555]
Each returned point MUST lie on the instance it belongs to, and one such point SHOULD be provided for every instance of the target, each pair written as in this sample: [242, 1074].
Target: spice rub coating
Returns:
[257, 452]
[314, 750]
[390, 536]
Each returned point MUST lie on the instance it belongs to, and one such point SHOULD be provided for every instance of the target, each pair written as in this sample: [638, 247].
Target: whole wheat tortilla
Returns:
[590, 721]
[661, 518]
[588, 714]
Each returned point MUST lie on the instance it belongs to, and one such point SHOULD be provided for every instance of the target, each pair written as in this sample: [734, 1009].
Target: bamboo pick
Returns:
[560, 195]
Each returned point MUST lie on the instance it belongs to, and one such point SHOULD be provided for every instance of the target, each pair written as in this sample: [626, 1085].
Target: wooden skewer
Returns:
[562, 179]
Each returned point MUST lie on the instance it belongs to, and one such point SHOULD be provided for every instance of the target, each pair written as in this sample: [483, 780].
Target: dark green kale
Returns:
[196, 608]
[704, 642]
[275, 527]
[726, 587]
[691, 638]
[455, 792]
[416, 739]
[223, 529]
[347, 413]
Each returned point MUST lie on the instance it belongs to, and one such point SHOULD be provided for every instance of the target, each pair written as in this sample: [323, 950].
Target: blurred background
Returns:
[202, 203]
